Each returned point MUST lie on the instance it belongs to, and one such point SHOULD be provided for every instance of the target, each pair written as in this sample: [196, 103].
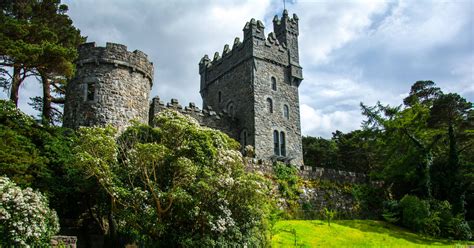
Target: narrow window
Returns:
[282, 144]
[230, 109]
[276, 144]
[243, 138]
[270, 105]
[274, 84]
[286, 111]
[90, 93]
[220, 96]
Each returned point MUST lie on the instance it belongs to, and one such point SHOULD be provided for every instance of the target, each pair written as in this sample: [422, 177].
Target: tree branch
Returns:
[58, 100]
[61, 90]
[414, 139]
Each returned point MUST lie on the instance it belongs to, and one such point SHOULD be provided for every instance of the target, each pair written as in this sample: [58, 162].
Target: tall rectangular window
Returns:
[282, 144]
[270, 105]
[276, 144]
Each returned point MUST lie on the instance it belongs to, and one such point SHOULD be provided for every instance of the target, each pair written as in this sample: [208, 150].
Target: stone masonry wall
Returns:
[206, 117]
[111, 86]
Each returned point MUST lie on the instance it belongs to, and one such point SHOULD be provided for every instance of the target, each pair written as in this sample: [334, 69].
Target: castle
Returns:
[250, 92]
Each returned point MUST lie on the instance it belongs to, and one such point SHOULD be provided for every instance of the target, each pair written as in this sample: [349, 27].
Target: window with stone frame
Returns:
[274, 83]
[286, 111]
[219, 94]
[276, 143]
[90, 91]
[282, 144]
[231, 109]
[269, 105]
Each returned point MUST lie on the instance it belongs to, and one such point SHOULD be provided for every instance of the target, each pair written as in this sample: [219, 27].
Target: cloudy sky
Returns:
[351, 51]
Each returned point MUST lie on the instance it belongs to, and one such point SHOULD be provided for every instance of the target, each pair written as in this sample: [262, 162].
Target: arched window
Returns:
[282, 144]
[219, 96]
[230, 109]
[270, 105]
[276, 143]
[286, 111]
[274, 83]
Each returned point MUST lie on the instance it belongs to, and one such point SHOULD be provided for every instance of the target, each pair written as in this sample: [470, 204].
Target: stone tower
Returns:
[256, 82]
[111, 86]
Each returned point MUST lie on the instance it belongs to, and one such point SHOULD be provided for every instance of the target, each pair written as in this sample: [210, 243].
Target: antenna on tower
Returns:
[284, 4]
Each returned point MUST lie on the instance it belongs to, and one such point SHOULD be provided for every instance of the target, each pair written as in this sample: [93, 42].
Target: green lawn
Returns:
[350, 233]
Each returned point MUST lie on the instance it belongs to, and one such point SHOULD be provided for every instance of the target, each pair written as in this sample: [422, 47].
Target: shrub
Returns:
[287, 179]
[177, 184]
[391, 211]
[415, 212]
[370, 199]
[459, 229]
[25, 218]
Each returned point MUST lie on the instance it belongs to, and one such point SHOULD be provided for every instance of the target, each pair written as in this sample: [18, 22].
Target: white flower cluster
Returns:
[25, 217]
[228, 157]
[224, 221]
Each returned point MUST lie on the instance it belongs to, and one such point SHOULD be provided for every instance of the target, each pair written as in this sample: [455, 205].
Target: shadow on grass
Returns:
[391, 230]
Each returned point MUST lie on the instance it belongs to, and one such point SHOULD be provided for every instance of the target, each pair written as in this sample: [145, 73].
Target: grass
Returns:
[351, 233]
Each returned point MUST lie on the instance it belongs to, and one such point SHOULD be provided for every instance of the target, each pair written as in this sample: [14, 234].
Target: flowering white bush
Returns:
[25, 218]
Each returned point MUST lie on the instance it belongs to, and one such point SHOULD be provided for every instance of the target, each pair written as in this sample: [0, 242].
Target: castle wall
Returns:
[236, 97]
[206, 117]
[111, 86]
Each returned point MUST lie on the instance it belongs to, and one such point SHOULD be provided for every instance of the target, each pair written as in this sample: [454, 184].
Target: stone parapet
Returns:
[206, 117]
[313, 173]
[117, 55]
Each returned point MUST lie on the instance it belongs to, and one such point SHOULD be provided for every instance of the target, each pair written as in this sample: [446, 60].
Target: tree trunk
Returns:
[47, 112]
[112, 239]
[16, 81]
[456, 194]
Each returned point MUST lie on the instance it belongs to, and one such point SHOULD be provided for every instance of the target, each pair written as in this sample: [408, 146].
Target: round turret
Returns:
[111, 86]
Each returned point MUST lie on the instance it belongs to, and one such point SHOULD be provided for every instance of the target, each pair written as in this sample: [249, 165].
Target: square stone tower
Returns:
[256, 82]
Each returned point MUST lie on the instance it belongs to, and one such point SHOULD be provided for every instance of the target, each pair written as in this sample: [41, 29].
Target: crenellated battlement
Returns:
[255, 45]
[206, 117]
[117, 55]
[286, 24]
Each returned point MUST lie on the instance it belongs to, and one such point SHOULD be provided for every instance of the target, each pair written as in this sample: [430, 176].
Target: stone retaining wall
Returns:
[64, 241]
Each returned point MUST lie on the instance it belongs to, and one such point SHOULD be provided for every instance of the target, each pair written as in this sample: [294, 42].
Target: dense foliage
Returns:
[177, 184]
[421, 150]
[431, 217]
[354, 151]
[25, 217]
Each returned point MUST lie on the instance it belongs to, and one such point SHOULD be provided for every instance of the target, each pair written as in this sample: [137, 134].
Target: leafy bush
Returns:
[415, 212]
[25, 218]
[458, 228]
[287, 179]
[370, 199]
[391, 211]
[177, 184]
